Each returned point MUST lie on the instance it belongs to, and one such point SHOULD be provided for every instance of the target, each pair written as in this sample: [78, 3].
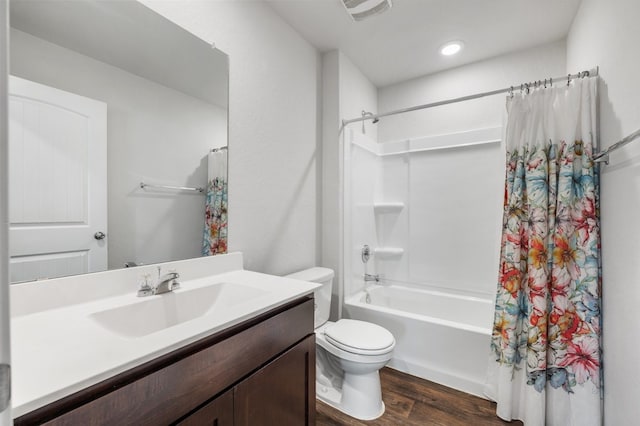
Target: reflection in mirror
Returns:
[106, 95]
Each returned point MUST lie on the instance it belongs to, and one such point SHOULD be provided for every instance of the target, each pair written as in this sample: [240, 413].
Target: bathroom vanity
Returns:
[248, 360]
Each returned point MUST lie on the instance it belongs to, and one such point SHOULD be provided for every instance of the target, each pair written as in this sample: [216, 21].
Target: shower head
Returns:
[365, 114]
[369, 114]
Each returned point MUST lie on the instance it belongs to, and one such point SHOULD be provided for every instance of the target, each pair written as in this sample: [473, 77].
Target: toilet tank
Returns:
[322, 295]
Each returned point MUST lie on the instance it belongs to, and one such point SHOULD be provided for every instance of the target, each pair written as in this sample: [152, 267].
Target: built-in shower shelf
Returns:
[388, 252]
[388, 207]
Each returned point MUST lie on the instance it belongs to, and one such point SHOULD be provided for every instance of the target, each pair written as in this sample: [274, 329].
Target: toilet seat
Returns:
[359, 337]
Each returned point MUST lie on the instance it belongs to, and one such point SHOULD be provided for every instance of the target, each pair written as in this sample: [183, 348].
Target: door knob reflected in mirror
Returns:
[99, 235]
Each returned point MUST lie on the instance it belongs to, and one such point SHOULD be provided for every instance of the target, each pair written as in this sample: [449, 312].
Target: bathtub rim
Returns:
[356, 300]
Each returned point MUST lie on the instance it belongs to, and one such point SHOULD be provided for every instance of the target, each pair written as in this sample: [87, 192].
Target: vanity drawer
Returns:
[218, 412]
[164, 390]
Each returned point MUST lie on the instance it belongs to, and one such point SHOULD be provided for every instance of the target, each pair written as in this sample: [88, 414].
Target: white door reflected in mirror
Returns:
[58, 182]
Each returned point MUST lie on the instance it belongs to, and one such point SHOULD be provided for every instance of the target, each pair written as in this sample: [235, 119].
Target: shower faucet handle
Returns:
[366, 253]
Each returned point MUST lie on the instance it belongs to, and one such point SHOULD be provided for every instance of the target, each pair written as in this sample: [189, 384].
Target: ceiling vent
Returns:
[363, 9]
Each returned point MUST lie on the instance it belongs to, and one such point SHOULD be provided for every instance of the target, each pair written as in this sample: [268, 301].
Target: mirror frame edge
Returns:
[5, 341]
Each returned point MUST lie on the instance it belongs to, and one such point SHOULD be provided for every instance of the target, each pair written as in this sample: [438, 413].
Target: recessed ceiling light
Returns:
[451, 48]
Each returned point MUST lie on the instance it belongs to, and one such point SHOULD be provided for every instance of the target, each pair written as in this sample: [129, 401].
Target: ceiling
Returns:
[404, 42]
[110, 32]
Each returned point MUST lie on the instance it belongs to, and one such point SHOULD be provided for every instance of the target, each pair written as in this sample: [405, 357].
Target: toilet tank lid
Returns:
[316, 274]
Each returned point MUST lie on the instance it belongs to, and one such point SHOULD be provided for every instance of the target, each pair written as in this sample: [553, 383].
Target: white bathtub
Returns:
[440, 336]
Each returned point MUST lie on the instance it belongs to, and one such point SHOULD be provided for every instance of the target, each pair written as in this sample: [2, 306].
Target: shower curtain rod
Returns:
[524, 86]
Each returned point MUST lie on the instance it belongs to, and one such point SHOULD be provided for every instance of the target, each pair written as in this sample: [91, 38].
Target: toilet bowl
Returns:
[349, 354]
[359, 350]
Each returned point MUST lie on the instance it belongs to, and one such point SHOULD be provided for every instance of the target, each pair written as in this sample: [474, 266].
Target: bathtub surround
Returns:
[403, 193]
[397, 196]
[216, 204]
[545, 366]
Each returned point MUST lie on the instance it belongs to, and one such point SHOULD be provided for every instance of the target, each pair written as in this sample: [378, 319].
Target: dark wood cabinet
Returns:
[218, 412]
[277, 394]
[259, 372]
[273, 396]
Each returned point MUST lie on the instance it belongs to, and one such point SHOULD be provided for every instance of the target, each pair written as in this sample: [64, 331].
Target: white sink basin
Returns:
[155, 313]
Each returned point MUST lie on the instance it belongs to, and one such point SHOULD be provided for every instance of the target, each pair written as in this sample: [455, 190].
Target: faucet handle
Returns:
[174, 283]
[145, 288]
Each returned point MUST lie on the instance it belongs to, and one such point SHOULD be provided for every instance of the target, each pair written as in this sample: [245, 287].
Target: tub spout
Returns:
[371, 277]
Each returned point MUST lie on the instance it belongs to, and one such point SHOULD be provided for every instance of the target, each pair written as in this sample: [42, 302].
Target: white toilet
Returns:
[349, 354]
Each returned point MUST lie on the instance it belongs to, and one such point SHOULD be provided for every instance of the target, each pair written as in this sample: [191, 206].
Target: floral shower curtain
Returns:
[545, 366]
[215, 220]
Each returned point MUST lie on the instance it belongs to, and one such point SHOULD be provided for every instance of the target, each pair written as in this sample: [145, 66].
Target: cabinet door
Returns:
[282, 392]
[218, 412]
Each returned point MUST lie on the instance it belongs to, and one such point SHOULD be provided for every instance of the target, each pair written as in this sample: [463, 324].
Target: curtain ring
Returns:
[511, 92]
[545, 83]
[568, 80]
[551, 81]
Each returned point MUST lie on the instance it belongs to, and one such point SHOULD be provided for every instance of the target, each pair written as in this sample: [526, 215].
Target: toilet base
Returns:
[359, 397]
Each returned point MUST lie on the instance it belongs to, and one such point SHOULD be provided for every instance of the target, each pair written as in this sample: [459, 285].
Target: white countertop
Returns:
[59, 351]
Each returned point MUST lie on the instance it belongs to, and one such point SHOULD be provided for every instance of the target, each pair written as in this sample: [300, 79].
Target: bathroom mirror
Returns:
[106, 95]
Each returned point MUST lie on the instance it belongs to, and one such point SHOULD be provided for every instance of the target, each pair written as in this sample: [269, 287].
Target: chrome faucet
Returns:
[164, 284]
[167, 282]
[371, 277]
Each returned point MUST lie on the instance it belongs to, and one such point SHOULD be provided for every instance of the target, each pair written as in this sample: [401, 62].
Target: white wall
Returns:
[155, 134]
[491, 74]
[357, 93]
[346, 92]
[273, 129]
[606, 33]
[330, 220]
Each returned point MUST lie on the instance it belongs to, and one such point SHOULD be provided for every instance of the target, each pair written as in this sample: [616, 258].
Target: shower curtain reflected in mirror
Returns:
[545, 366]
[215, 222]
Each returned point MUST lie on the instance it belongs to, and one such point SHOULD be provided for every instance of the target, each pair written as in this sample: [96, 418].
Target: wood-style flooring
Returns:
[414, 401]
